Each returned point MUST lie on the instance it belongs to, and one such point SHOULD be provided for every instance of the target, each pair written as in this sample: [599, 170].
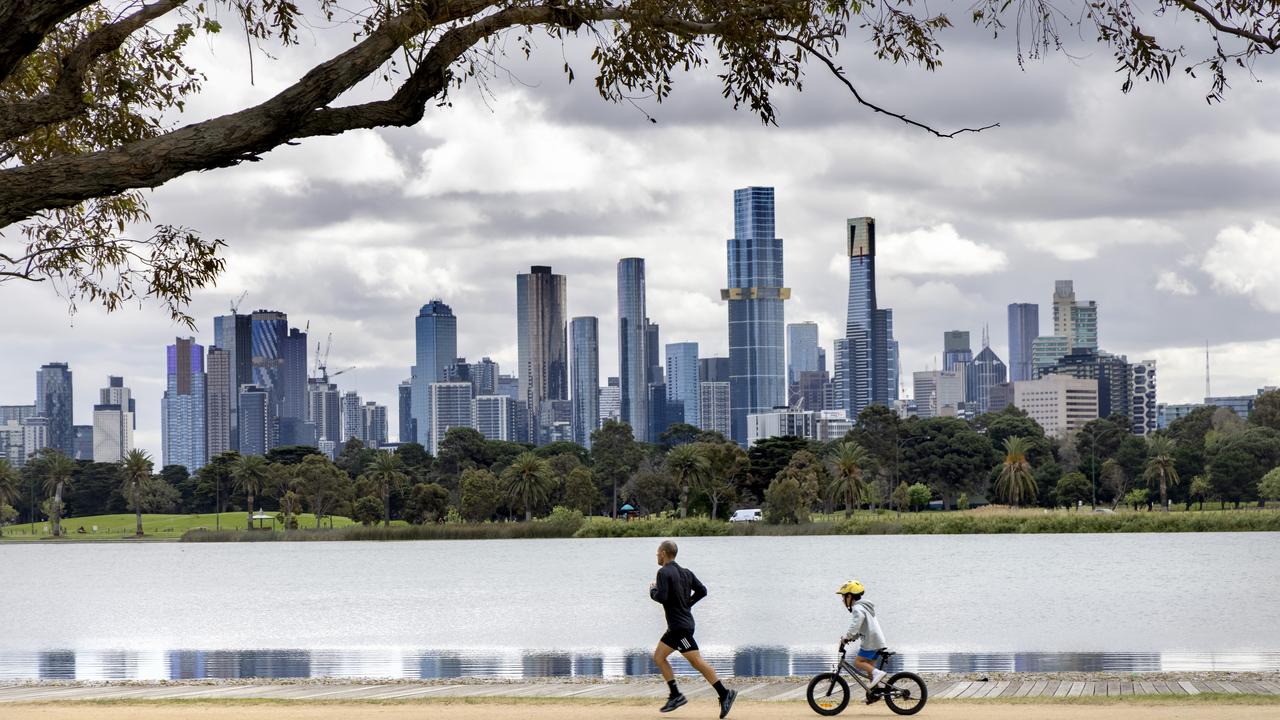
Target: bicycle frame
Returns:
[853, 671]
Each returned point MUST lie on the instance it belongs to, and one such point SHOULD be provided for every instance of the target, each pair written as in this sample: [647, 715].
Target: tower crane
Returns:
[235, 306]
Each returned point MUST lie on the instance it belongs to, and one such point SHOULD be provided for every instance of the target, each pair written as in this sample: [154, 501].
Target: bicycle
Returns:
[904, 692]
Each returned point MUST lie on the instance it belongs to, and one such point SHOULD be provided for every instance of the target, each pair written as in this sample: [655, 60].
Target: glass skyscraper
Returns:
[53, 402]
[755, 293]
[864, 376]
[436, 342]
[584, 333]
[184, 437]
[542, 347]
[218, 401]
[1024, 328]
[234, 334]
[955, 349]
[802, 350]
[633, 339]
[270, 332]
[682, 379]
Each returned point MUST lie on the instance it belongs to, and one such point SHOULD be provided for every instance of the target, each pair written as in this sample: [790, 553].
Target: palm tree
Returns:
[58, 470]
[528, 478]
[1016, 482]
[9, 478]
[251, 475]
[689, 467]
[385, 470]
[848, 463]
[1160, 469]
[135, 469]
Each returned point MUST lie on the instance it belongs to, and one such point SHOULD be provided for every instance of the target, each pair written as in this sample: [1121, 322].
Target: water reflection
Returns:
[514, 664]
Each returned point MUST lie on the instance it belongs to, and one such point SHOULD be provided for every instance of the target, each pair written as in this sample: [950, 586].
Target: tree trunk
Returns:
[528, 514]
[57, 510]
[1164, 494]
[715, 506]
[684, 500]
[614, 512]
[137, 507]
[249, 514]
[386, 506]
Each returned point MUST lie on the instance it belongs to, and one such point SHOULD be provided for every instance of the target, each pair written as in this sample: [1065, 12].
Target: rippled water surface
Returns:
[580, 607]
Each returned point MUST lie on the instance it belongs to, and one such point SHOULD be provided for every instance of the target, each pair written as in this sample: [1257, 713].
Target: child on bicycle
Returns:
[863, 626]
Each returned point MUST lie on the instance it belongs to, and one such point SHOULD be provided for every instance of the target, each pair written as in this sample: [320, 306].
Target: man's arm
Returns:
[697, 590]
[660, 588]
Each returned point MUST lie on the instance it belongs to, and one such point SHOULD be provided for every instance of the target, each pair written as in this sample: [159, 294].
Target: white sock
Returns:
[877, 676]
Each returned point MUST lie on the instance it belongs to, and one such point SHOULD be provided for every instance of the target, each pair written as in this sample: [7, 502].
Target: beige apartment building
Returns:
[1060, 403]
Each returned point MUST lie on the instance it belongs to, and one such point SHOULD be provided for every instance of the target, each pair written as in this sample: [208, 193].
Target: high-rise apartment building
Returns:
[713, 369]
[811, 390]
[183, 414]
[1061, 404]
[542, 343]
[352, 417]
[1075, 321]
[492, 416]
[436, 347]
[450, 406]
[218, 401]
[113, 422]
[682, 385]
[1046, 351]
[375, 425]
[802, 349]
[713, 407]
[324, 413]
[633, 339]
[257, 435]
[584, 333]
[1144, 411]
[408, 431]
[54, 402]
[1024, 328]
[610, 401]
[1111, 372]
[84, 442]
[892, 370]
[755, 294]
[234, 334]
[955, 348]
[484, 377]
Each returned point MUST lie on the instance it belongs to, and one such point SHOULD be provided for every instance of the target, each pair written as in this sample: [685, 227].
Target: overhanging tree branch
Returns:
[1272, 43]
[25, 23]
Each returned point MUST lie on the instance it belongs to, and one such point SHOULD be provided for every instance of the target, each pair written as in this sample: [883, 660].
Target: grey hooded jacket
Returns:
[864, 626]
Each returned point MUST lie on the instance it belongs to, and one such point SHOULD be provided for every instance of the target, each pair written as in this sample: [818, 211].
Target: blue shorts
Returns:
[868, 654]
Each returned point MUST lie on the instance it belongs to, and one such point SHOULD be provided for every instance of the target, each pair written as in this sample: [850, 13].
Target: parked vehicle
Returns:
[751, 515]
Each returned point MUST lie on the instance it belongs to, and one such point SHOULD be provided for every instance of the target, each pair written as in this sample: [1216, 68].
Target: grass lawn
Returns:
[170, 527]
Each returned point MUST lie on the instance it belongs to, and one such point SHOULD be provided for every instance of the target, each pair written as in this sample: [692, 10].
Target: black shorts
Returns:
[681, 640]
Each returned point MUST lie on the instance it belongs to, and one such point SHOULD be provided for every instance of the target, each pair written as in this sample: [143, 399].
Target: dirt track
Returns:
[695, 710]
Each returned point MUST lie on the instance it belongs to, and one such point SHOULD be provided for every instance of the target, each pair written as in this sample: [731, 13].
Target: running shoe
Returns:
[674, 702]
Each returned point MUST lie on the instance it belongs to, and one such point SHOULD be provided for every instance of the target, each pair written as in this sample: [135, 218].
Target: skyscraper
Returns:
[864, 376]
[1046, 350]
[218, 403]
[375, 425]
[408, 431]
[610, 398]
[1144, 412]
[54, 402]
[683, 379]
[885, 363]
[293, 379]
[542, 347]
[982, 375]
[1064, 299]
[491, 415]
[955, 348]
[713, 407]
[653, 352]
[484, 377]
[234, 334]
[113, 422]
[352, 417]
[1024, 328]
[436, 343]
[450, 406]
[256, 433]
[324, 413]
[938, 393]
[184, 433]
[1075, 321]
[633, 340]
[755, 294]
[585, 337]
[802, 350]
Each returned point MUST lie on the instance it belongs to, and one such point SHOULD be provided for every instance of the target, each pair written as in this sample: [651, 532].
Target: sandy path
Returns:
[584, 711]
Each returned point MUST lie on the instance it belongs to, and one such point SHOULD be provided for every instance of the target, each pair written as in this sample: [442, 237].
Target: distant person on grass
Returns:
[678, 590]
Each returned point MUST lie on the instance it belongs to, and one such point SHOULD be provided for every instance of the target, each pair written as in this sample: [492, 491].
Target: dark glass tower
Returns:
[542, 348]
[234, 334]
[53, 402]
[270, 330]
[436, 341]
[584, 335]
[1024, 327]
[755, 293]
[633, 346]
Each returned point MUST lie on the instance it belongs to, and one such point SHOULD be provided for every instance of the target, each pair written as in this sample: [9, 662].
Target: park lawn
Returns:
[156, 526]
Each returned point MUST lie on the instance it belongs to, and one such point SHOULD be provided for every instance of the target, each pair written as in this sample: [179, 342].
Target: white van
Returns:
[752, 515]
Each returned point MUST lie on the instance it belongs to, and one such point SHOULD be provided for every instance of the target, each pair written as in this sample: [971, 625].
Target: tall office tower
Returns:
[1046, 351]
[713, 369]
[584, 333]
[713, 407]
[234, 334]
[450, 406]
[822, 359]
[841, 377]
[1064, 299]
[407, 431]
[542, 346]
[557, 421]
[185, 435]
[113, 422]
[293, 391]
[458, 371]
[324, 413]
[54, 402]
[955, 348]
[662, 413]
[1024, 328]
[633, 354]
[811, 390]
[1060, 404]
[984, 373]
[436, 341]
[218, 394]
[484, 377]
[867, 377]
[256, 432]
[352, 417]
[653, 352]
[270, 330]
[682, 380]
[1144, 410]
[83, 442]
[755, 294]
[491, 415]
[375, 425]
[802, 349]
[610, 401]
[938, 393]
[509, 385]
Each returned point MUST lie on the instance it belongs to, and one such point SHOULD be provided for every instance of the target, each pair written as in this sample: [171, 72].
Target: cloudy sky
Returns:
[1160, 207]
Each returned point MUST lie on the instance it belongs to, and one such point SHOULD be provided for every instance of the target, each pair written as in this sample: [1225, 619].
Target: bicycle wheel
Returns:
[828, 694]
[905, 693]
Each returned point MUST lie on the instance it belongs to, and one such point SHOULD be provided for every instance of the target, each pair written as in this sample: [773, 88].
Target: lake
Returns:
[581, 607]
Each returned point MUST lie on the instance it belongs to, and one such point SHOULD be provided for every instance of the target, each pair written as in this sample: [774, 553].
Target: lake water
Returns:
[581, 607]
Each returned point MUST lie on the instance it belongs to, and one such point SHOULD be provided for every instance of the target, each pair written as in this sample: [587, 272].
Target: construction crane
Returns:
[322, 359]
[353, 367]
[235, 306]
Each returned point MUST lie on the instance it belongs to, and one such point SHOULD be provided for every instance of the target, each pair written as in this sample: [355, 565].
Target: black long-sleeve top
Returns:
[678, 589]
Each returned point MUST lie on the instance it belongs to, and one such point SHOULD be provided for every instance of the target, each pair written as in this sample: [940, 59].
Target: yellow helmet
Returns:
[853, 587]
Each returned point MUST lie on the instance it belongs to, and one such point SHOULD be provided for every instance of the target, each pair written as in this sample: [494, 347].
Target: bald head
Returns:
[669, 549]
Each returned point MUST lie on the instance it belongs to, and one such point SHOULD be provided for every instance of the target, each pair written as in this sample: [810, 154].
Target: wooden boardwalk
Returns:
[1023, 685]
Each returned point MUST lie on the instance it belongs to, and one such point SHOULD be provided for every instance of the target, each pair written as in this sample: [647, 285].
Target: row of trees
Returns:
[133, 474]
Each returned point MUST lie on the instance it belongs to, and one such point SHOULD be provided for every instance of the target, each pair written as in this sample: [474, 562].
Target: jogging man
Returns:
[678, 590]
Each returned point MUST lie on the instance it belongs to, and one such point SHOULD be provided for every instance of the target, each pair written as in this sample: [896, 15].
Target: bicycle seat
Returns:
[885, 653]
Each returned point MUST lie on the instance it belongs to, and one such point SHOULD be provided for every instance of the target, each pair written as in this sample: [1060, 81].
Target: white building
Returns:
[610, 397]
[352, 417]
[113, 422]
[938, 393]
[1061, 404]
[449, 406]
[713, 407]
[492, 415]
